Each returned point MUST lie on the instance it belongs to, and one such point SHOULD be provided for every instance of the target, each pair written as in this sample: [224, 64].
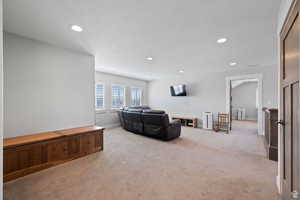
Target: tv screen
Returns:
[178, 90]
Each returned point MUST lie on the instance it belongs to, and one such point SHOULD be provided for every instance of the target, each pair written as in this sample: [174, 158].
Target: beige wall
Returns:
[207, 92]
[45, 87]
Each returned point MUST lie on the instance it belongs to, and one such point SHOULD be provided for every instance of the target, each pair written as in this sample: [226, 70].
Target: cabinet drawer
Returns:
[74, 146]
[57, 150]
[90, 143]
[23, 157]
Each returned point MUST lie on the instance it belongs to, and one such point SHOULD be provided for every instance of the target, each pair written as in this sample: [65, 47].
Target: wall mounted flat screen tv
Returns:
[178, 90]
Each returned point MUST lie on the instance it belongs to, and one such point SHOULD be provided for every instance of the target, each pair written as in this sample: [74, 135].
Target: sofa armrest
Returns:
[175, 122]
[174, 130]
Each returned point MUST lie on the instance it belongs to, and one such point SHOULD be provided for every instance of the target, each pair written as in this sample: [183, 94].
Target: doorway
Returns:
[289, 105]
[244, 104]
[240, 112]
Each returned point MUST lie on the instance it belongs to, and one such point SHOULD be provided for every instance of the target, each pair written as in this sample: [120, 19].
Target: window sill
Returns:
[101, 111]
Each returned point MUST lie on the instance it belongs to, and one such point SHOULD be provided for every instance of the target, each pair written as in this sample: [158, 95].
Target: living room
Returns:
[150, 100]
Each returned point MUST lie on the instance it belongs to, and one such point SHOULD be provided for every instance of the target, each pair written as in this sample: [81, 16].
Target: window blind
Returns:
[136, 96]
[118, 96]
[99, 95]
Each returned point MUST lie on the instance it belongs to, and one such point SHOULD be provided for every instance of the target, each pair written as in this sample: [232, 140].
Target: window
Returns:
[99, 95]
[118, 96]
[136, 96]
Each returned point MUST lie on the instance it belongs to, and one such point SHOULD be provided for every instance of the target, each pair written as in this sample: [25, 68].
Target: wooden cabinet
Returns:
[187, 121]
[73, 146]
[57, 150]
[271, 133]
[23, 157]
[28, 154]
[91, 143]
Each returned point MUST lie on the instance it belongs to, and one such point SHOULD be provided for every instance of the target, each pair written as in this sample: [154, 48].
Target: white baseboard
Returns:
[111, 125]
[278, 184]
[252, 119]
[247, 119]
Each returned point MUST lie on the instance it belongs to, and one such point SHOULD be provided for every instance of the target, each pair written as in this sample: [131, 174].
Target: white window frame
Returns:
[103, 108]
[111, 95]
[141, 99]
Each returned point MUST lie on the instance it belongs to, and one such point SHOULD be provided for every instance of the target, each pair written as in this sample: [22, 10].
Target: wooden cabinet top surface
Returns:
[75, 131]
[27, 139]
[39, 137]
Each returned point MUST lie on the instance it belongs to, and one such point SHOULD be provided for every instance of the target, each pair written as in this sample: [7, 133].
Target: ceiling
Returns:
[178, 34]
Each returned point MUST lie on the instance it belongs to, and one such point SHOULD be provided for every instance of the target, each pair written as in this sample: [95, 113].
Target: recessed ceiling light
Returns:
[77, 28]
[222, 40]
[181, 71]
[233, 64]
[149, 58]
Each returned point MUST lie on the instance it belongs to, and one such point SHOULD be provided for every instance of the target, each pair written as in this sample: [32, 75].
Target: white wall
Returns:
[108, 117]
[283, 11]
[45, 87]
[244, 96]
[207, 92]
[1, 102]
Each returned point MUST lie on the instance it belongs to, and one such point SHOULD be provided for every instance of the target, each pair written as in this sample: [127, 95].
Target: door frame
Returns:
[289, 20]
[259, 78]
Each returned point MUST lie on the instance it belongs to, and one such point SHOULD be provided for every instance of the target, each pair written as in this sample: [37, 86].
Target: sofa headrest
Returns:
[155, 118]
[154, 111]
[139, 107]
[134, 107]
[146, 108]
[125, 108]
[134, 110]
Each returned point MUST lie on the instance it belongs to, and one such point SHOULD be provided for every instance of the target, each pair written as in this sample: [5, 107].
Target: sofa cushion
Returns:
[156, 119]
[133, 121]
[153, 123]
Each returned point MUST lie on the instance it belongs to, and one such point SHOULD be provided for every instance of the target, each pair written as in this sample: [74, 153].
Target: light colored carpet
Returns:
[200, 165]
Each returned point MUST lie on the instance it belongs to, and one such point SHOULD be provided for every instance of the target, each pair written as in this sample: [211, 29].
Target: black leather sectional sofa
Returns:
[153, 123]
